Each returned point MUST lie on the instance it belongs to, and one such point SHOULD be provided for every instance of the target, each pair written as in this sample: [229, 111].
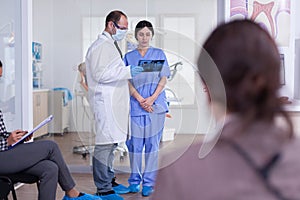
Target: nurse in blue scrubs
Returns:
[148, 108]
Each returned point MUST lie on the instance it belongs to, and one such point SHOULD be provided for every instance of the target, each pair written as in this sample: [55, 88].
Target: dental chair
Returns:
[82, 92]
[173, 70]
[171, 95]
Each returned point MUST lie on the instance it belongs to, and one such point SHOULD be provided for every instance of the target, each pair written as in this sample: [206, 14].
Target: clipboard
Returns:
[151, 65]
[40, 125]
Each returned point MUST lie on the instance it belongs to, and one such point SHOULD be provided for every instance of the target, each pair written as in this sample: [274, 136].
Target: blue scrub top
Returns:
[146, 82]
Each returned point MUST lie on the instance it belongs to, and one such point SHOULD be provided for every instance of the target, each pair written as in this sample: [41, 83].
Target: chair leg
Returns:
[8, 187]
[19, 178]
[13, 193]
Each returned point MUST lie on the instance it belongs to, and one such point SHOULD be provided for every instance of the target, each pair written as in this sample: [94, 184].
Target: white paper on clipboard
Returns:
[47, 120]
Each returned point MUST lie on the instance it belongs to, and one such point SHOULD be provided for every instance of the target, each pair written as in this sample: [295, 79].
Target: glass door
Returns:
[13, 99]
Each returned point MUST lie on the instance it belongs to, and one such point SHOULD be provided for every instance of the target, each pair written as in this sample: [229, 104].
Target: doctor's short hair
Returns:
[0, 63]
[142, 24]
[114, 16]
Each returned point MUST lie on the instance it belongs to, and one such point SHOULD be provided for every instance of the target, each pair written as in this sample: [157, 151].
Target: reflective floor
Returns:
[84, 183]
[79, 163]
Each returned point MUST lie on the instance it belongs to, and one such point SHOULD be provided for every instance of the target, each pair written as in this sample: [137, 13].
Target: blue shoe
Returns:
[134, 188]
[83, 197]
[147, 191]
[112, 197]
[121, 189]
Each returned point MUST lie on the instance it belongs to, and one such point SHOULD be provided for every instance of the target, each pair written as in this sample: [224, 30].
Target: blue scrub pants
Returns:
[146, 132]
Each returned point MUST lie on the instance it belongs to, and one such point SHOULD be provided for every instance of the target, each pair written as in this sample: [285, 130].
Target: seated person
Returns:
[250, 158]
[39, 158]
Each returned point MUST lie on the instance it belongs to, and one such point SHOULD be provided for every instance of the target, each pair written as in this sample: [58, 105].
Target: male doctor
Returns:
[107, 78]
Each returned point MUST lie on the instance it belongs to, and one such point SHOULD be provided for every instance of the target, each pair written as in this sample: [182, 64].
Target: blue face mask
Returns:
[120, 34]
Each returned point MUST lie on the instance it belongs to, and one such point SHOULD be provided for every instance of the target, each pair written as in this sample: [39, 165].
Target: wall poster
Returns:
[273, 15]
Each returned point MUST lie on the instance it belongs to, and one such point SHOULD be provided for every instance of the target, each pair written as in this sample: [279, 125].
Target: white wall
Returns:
[57, 25]
[290, 76]
[297, 17]
[297, 51]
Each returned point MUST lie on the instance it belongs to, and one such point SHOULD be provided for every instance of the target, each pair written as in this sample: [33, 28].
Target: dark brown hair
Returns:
[114, 16]
[142, 24]
[248, 61]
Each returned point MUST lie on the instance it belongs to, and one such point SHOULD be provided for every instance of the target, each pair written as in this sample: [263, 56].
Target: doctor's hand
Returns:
[135, 70]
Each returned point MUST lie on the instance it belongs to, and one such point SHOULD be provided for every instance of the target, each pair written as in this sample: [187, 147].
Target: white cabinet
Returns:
[40, 110]
[60, 109]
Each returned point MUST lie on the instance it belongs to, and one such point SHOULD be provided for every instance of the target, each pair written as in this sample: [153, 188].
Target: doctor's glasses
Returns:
[120, 27]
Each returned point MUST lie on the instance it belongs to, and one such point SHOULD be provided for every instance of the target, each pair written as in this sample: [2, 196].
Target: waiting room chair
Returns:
[7, 182]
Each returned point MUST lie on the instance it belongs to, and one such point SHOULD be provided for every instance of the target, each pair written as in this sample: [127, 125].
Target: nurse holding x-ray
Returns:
[148, 109]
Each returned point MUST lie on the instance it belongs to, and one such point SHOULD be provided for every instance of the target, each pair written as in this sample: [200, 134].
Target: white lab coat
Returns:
[107, 78]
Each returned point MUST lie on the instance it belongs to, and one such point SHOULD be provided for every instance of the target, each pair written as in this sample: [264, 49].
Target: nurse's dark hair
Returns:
[0, 63]
[114, 16]
[142, 24]
[249, 64]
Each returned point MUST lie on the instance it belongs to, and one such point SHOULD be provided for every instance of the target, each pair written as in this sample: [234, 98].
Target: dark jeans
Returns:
[103, 167]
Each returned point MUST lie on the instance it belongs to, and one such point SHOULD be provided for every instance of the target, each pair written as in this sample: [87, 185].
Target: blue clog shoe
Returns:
[147, 191]
[112, 197]
[83, 197]
[134, 188]
[121, 189]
